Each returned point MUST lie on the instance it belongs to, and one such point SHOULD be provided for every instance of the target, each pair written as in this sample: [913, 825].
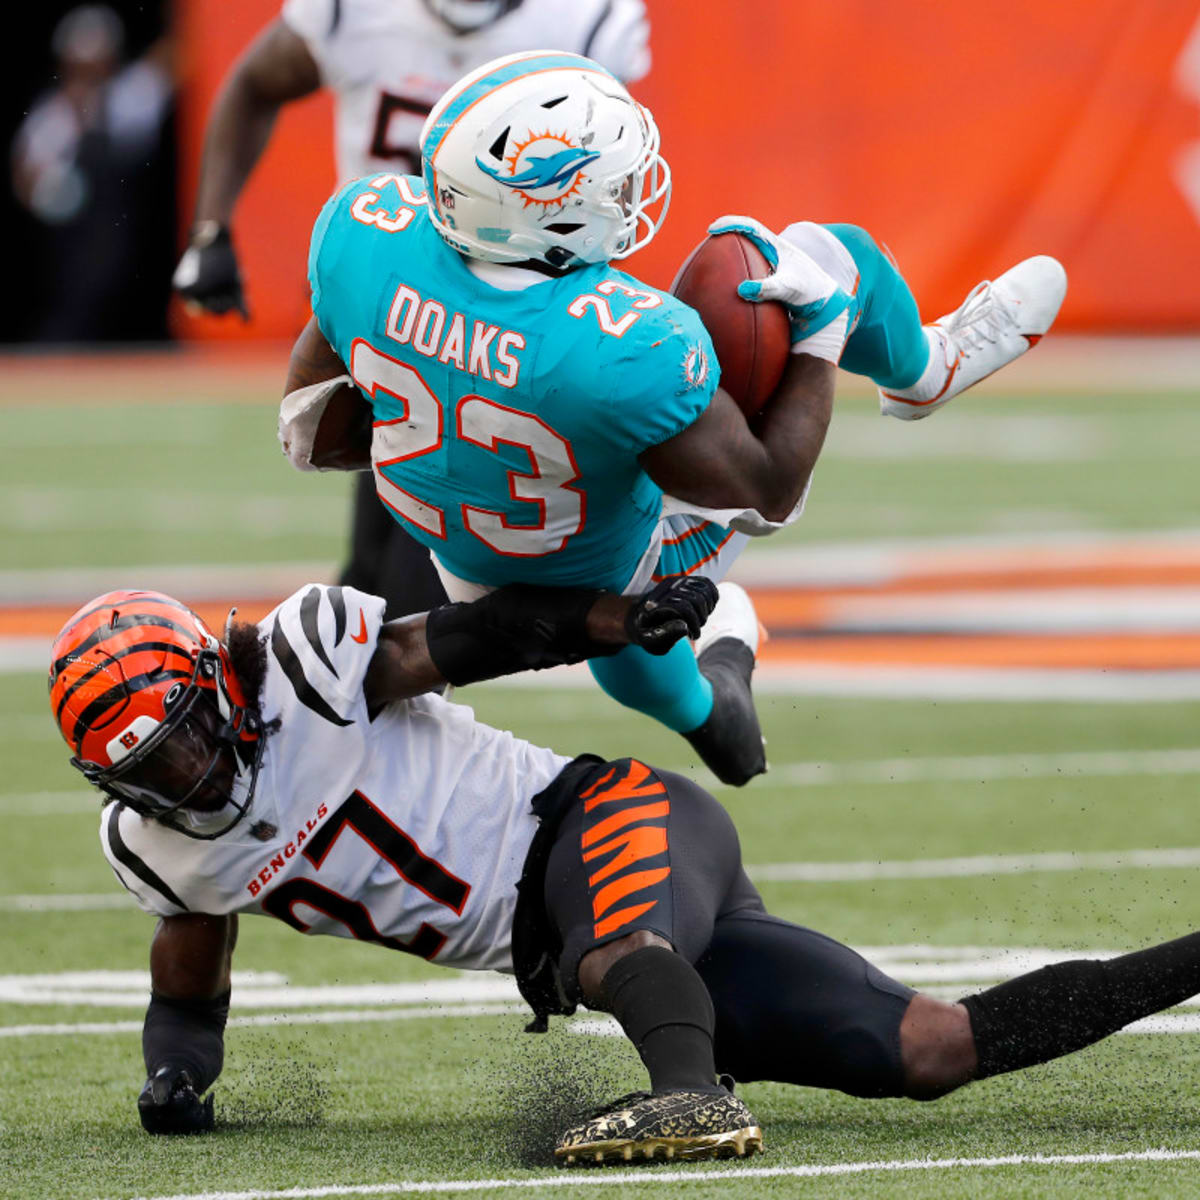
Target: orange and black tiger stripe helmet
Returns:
[124, 670]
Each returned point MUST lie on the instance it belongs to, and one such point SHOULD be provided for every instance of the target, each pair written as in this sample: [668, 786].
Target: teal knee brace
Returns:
[667, 687]
[888, 344]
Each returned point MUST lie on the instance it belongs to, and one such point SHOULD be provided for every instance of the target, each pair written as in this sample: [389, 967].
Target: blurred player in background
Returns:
[92, 164]
[532, 404]
[387, 62]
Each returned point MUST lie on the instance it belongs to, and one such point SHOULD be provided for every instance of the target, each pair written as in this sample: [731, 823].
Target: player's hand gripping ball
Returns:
[752, 340]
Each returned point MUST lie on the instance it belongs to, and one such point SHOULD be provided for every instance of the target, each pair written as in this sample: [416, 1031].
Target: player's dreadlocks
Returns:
[247, 648]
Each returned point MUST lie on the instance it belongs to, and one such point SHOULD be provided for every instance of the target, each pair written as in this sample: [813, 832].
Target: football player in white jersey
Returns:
[299, 770]
[386, 62]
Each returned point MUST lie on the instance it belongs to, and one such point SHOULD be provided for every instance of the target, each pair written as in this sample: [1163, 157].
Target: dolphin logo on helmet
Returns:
[543, 171]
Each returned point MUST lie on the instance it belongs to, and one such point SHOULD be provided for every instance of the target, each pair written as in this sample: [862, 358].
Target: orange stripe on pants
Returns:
[610, 825]
[646, 841]
[607, 896]
[638, 782]
[622, 917]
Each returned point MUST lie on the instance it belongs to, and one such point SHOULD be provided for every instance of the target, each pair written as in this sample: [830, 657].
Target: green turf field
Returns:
[355, 1097]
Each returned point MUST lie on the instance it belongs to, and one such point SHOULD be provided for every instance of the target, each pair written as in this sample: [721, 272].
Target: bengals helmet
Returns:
[147, 700]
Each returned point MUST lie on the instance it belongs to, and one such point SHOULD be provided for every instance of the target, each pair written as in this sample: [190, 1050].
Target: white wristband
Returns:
[826, 343]
[300, 416]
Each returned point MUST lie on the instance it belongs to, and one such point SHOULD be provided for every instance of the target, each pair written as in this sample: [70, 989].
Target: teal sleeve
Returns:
[659, 385]
[325, 252]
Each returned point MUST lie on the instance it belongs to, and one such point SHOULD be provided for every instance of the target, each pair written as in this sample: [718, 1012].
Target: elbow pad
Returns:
[188, 1033]
[516, 628]
[300, 416]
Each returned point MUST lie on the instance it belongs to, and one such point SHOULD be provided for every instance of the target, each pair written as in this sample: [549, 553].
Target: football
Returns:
[751, 340]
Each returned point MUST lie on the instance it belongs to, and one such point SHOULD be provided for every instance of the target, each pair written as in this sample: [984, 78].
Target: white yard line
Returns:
[979, 768]
[948, 971]
[656, 1178]
[1164, 1023]
[272, 1020]
[980, 864]
[39, 804]
[790, 872]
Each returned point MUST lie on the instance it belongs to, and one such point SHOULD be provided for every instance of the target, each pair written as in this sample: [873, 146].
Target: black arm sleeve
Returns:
[516, 628]
[186, 1033]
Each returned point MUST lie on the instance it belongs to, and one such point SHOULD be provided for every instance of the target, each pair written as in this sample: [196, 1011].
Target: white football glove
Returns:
[814, 301]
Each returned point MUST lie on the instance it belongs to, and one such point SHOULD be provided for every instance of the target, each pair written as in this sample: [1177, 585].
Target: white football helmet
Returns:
[544, 156]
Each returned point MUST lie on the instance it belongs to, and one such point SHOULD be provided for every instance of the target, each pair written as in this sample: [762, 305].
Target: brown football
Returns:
[752, 341]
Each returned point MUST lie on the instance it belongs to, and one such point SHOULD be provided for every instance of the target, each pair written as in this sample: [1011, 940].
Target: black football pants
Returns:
[643, 849]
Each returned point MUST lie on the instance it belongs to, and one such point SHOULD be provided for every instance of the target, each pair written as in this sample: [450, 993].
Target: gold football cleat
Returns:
[640, 1127]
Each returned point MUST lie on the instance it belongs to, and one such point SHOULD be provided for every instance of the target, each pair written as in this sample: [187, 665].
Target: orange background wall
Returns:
[965, 136]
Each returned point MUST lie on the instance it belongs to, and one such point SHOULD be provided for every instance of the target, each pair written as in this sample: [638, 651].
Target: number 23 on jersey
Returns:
[421, 429]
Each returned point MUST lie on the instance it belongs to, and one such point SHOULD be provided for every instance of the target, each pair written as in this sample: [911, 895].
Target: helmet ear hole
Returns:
[496, 149]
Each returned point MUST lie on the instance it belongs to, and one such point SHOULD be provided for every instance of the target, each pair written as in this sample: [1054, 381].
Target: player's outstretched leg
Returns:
[706, 695]
[641, 865]
[730, 741]
[1066, 1006]
[997, 322]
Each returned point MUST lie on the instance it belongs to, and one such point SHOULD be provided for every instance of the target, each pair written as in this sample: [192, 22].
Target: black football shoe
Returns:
[730, 742]
[641, 1127]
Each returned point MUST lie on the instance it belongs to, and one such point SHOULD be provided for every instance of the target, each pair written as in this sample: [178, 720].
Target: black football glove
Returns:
[676, 608]
[168, 1103]
[207, 275]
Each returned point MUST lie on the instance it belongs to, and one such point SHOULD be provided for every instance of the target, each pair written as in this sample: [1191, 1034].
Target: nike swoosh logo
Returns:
[932, 399]
[361, 636]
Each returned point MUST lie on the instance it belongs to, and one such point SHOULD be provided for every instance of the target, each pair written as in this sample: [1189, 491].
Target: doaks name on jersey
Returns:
[425, 325]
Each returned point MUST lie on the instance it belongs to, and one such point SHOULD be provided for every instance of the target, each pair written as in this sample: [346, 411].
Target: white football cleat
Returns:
[995, 324]
[734, 616]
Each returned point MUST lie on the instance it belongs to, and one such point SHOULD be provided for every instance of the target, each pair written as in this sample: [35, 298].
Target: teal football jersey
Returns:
[508, 424]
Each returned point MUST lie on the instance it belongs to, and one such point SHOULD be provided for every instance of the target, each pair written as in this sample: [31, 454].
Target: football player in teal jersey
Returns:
[537, 415]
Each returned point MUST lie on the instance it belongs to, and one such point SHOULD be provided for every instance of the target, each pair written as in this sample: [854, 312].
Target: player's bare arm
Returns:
[528, 628]
[720, 462]
[183, 1035]
[191, 954]
[275, 69]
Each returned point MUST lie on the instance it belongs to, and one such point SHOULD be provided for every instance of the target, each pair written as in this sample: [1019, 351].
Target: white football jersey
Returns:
[388, 61]
[409, 830]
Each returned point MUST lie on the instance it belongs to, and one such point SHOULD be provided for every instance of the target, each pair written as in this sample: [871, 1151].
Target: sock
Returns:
[1062, 1008]
[936, 372]
[666, 1012]
[667, 687]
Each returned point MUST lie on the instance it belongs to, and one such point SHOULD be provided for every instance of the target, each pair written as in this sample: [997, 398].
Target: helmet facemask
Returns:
[646, 194]
[188, 770]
